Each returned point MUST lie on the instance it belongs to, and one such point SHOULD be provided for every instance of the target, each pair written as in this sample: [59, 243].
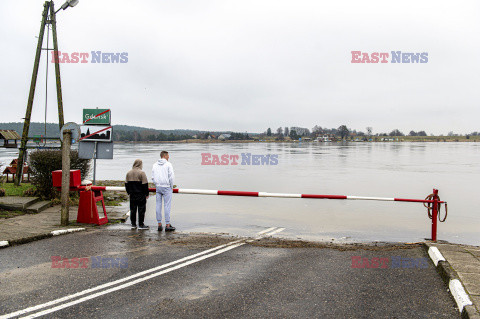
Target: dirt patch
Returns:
[285, 243]
[209, 241]
[200, 240]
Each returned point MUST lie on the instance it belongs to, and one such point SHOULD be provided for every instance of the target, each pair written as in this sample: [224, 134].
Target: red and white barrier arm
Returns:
[264, 194]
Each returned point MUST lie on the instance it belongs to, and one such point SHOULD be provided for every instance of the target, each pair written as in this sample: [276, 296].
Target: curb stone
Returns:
[66, 231]
[38, 237]
[452, 280]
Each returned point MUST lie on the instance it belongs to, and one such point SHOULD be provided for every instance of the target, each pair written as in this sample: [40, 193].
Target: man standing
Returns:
[136, 184]
[162, 176]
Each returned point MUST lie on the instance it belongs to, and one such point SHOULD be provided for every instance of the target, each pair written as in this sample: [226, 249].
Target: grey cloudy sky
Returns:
[248, 65]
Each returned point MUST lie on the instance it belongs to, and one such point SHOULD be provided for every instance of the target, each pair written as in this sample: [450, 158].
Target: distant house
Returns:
[224, 137]
[301, 131]
[9, 135]
[326, 138]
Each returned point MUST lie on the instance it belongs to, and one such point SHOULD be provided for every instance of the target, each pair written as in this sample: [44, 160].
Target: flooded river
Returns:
[405, 170]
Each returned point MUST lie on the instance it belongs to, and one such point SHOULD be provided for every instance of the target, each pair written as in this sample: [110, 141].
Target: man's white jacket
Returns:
[162, 173]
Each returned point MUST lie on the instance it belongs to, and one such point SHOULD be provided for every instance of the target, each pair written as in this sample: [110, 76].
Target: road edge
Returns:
[453, 282]
[25, 240]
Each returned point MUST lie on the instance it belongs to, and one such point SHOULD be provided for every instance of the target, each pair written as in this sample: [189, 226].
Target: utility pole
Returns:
[53, 22]
[67, 140]
[48, 6]
[31, 95]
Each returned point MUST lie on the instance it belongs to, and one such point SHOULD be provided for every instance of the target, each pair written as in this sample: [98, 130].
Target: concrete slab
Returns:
[17, 202]
[38, 206]
[474, 252]
[457, 255]
[117, 212]
[466, 267]
[31, 226]
[448, 247]
[35, 226]
[476, 301]
[465, 262]
[471, 283]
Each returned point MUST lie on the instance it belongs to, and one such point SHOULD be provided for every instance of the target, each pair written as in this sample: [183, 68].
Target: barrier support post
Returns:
[434, 214]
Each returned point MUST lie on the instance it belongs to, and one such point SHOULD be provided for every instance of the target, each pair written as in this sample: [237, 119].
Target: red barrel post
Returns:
[434, 214]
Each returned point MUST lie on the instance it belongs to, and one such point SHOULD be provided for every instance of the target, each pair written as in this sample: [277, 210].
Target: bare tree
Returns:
[369, 131]
[317, 129]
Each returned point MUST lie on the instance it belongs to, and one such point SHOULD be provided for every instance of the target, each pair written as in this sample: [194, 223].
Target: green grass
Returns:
[113, 202]
[12, 190]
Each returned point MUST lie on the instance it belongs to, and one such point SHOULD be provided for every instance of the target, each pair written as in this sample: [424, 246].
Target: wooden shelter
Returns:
[9, 135]
[12, 170]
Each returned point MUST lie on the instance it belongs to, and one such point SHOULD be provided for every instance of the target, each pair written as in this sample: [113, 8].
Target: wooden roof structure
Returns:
[9, 135]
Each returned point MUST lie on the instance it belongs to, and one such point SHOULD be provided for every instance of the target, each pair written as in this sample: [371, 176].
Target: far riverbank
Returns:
[379, 139]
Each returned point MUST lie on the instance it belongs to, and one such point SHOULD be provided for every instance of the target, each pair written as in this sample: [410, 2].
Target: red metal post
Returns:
[434, 214]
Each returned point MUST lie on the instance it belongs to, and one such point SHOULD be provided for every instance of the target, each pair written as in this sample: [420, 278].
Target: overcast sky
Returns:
[248, 65]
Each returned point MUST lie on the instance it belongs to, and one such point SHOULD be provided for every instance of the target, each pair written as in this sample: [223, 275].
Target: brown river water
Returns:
[402, 170]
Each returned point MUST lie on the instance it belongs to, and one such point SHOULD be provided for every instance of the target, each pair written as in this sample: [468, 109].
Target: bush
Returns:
[32, 191]
[43, 162]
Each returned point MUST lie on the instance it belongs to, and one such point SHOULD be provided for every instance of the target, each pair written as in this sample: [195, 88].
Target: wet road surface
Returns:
[140, 274]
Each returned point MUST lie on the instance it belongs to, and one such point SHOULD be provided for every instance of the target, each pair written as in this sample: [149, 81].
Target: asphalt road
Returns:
[260, 279]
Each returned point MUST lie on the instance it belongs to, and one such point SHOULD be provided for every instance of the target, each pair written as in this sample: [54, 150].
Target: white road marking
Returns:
[276, 231]
[459, 294]
[98, 294]
[181, 263]
[87, 291]
[266, 230]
